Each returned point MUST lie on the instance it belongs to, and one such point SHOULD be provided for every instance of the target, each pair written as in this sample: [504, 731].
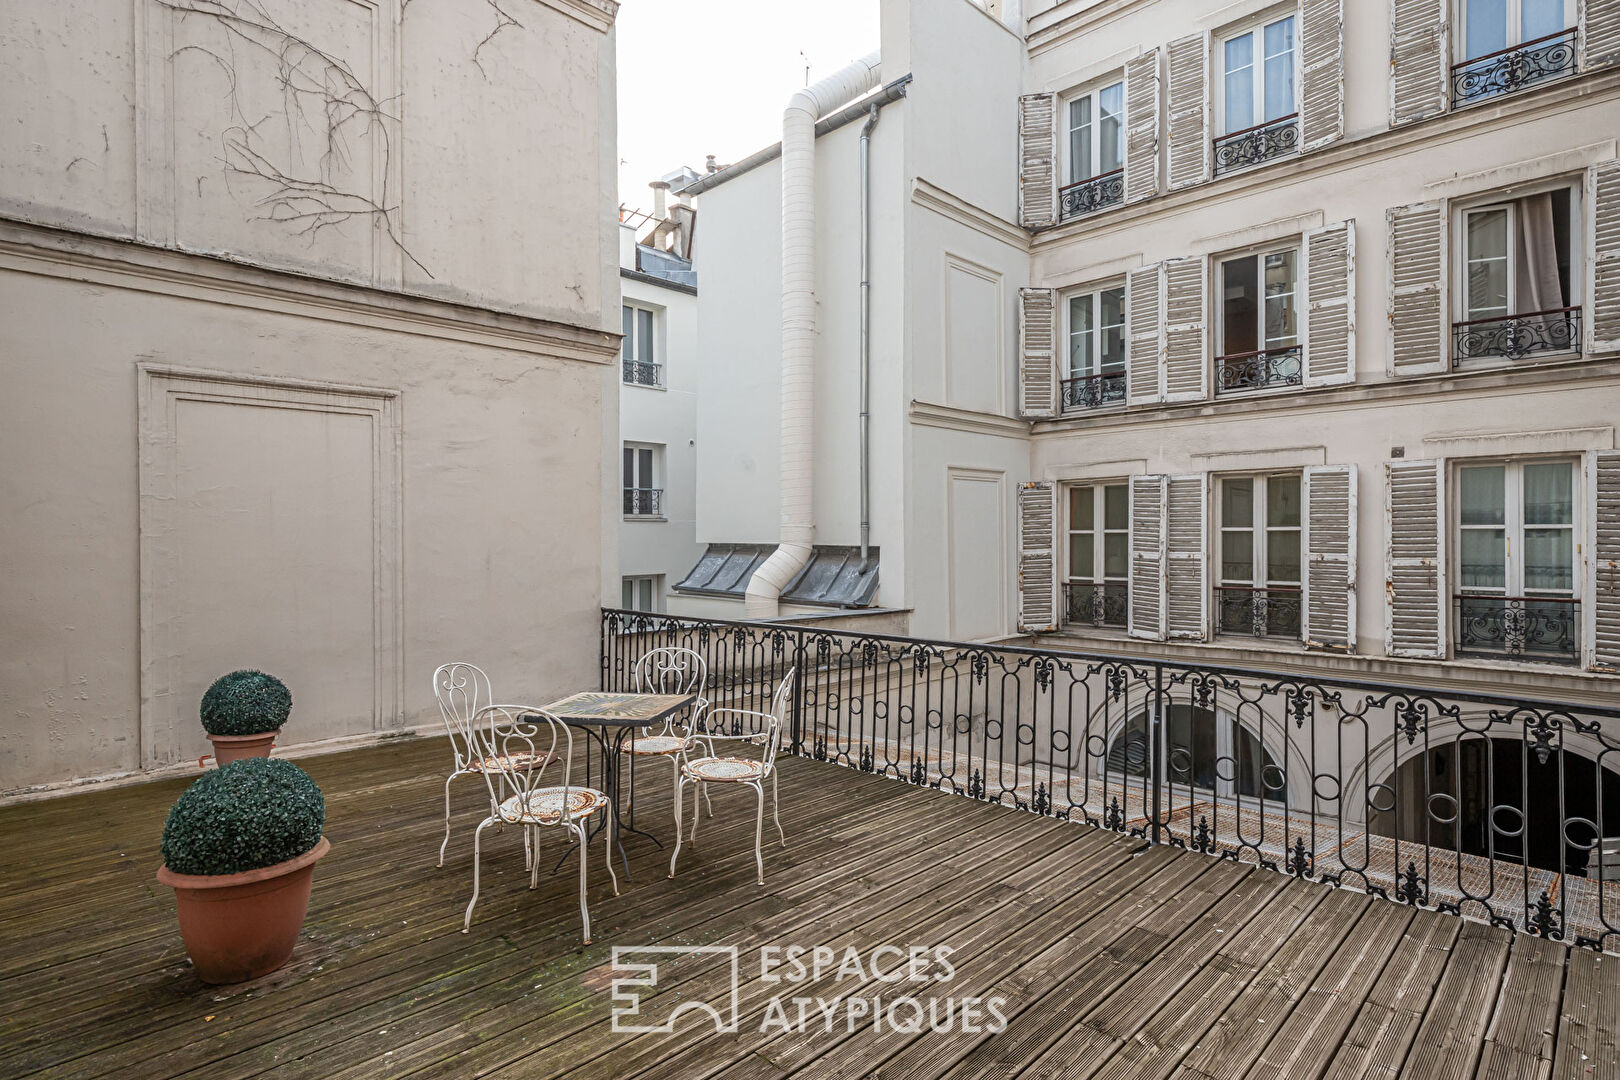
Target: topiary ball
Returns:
[252, 813]
[245, 703]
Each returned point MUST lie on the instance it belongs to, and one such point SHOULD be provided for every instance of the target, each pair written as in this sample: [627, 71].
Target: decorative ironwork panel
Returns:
[1088, 196]
[1525, 627]
[1104, 603]
[1259, 370]
[1263, 142]
[1242, 609]
[1515, 68]
[1091, 391]
[1517, 336]
[643, 373]
[643, 502]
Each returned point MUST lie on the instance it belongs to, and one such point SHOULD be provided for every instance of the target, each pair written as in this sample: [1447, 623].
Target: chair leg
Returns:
[776, 808]
[759, 832]
[679, 795]
[706, 801]
[445, 846]
[531, 849]
[697, 786]
[584, 912]
[466, 923]
[607, 846]
[675, 760]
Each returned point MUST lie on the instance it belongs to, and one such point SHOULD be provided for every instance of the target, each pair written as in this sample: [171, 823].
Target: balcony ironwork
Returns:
[1514, 68]
[643, 373]
[1100, 603]
[1544, 628]
[1088, 196]
[1092, 391]
[1253, 145]
[643, 502]
[1260, 370]
[1252, 611]
[1514, 337]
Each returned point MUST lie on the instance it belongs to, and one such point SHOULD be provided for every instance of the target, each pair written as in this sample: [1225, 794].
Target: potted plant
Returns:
[239, 850]
[242, 714]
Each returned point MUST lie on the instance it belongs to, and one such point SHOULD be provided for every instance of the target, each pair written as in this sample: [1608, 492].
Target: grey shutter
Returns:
[1603, 570]
[1037, 160]
[1142, 127]
[1144, 301]
[1188, 105]
[1414, 585]
[1186, 612]
[1330, 557]
[1186, 368]
[1418, 80]
[1419, 341]
[1321, 98]
[1330, 305]
[1037, 557]
[1147, 557]
[1603, 216]
[1599, 34]
[1037, 366]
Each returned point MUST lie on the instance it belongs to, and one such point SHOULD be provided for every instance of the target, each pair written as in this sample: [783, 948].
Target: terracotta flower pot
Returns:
[229, 748]
[241, 926]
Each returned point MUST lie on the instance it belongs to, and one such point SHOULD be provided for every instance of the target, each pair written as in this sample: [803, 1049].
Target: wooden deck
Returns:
[1112, 960]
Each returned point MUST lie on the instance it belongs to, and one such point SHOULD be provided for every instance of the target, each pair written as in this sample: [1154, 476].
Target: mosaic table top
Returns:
[599, 707]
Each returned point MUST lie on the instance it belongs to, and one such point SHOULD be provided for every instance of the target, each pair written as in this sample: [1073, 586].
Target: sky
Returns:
[701, 77]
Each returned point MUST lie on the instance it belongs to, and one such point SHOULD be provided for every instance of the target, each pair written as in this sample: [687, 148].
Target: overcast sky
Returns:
[703, 77]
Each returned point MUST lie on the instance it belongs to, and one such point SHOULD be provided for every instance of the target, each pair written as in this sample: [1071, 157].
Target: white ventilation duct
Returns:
[798, 371]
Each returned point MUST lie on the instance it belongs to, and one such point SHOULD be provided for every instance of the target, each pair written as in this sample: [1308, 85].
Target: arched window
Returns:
[1204, 749]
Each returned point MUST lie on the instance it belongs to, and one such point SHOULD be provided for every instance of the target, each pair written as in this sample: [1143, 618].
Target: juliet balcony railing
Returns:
[1540, 628]
[1088, 196]
[1254, 145]
[1100, 603]
[1259, 370]
[1251, 611]
[1515, 337]
[643, 373]
[643, 502]
[1514, 68]
[1093, 391]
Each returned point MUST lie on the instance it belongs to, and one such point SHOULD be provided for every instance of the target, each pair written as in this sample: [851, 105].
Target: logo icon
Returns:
[642, 964]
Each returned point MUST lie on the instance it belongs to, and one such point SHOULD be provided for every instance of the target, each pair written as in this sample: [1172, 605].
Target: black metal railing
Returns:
[1259, 370]
[643, 373]
[1493, 806]
[1253, 145]
[1514, 68]
[1544, 628]
[1092, 391]
[1100, 603]
[1514, 337]
[1258, 612]
[643, 502]
[1087, 196]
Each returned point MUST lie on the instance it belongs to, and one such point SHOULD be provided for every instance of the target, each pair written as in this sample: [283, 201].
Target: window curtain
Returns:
[1540, 287]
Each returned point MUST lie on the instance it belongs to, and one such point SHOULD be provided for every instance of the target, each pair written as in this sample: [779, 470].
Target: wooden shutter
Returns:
[1599, 35]
[1186, 368]
[1415, 578]
[1037, 160]
[1603, 569]
[1330, 557]
[1147, 604]
[1037, 558]
[1321, 99]
[1037, 361]
[1144, 300]
[1186, 592]
[1142, 127]
[1188, 101]
[1330, 305]
[1603, 229]
[1419, 330]
[1418, 82]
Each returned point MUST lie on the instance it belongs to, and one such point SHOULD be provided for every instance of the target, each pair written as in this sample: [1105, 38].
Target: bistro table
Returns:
[609, 719]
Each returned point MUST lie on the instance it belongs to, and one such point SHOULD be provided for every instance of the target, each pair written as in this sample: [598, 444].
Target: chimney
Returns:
[659, 187]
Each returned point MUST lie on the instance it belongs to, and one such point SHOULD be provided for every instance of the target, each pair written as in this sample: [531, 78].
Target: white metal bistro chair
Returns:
[670, 670]
[508, 733]
[746, 771]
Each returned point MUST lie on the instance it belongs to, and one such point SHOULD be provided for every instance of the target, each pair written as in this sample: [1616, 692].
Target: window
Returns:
[1257, 112]
[1095, 123]
[1508, 45]
[642, 593]
[1258, 321]
[1204, 749]
[1258, 592]
[1099, 555]
[1516, 569]
[1095, 369]
[642, 495]
[1518, 270]
[639, 349]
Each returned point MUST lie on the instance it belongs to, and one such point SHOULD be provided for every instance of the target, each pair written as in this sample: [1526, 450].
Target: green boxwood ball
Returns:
[251, 813]
[245, 703]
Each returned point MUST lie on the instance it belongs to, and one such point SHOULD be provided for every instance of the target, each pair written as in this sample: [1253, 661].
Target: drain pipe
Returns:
[866, 331]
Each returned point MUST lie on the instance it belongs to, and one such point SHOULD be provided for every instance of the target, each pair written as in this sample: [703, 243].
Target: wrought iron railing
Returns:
[643, 502]
[1544, 628]
[1091, 391]
[1494, 806]
[1514, 68]
[1087, 196]
[643, 373]
[1100, 603]
[1258, 612]
[1259, 370]
[1253, 145]
[1515, 337]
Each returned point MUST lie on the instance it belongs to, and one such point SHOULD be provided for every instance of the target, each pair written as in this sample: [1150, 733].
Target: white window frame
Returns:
[1515, 30]
[1099, 531]
[1095, 293]
[1260, 532]
[634, 583]
[1256, 26]
[1513, 524]
[1094, 92]
[642, 347]
[653, 481]
[1259, 255]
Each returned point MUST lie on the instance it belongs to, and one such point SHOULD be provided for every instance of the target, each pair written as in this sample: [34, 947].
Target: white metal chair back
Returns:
[781, 702]
[462, 689]
[506, 735]
[673, 670]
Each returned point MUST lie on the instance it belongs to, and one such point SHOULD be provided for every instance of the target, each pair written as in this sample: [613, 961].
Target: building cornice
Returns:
[653, 279]
[596, 14]
[1056, 29]
[929, 414]
[942, 202]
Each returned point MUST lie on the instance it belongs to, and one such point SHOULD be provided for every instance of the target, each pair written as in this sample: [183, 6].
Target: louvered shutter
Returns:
[1037, 557]
[1037, 366]
[1603, 496]
[1143, 302]
[1418, 328]
[1037, 160]
[1603, 217]
[1187, 98]
[1321, 98]
[1599, 34]
[1414, 586]
[1417, 60]
[1147, 600]
[1330, 305]
[1186, 594]
[1330, 557]
[1186, 368]
[1142, 127]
